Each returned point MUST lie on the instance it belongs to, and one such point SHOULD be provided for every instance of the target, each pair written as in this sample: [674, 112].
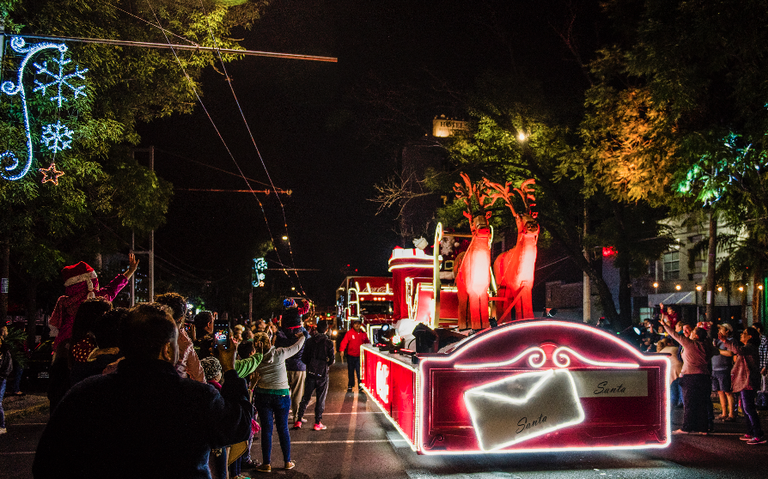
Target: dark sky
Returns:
[293, 110]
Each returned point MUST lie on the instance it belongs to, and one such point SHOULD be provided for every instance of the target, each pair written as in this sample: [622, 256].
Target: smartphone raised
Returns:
[220, 334]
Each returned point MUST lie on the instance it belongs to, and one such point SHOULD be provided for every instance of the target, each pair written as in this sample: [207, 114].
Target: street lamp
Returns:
[678, 287]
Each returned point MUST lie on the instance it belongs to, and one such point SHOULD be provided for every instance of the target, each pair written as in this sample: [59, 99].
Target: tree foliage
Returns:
[105, 192]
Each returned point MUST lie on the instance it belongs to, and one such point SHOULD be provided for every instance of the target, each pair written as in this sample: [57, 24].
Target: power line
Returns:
[179, 46]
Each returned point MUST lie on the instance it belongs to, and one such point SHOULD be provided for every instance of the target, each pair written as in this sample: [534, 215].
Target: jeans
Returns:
[353, 367]
[273, 411]
[753, 420]
[2, 393]
[676, 393]
[696, 390]
[319, 384]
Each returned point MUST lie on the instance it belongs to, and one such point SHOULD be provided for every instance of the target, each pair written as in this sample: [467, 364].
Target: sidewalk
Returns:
[20, 405]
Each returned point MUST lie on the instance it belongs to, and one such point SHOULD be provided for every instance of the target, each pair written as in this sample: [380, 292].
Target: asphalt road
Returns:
[360, 443]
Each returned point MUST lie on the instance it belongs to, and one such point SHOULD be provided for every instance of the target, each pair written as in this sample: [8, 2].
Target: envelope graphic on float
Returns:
[523, 406]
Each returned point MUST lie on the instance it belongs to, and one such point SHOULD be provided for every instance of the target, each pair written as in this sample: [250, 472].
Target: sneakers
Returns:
[303, 419]
[290, 465]
[746, 437]
[757, 440]
[297, 425]
[264, 468]
[3, 430]
[320, 427]
[680, 431]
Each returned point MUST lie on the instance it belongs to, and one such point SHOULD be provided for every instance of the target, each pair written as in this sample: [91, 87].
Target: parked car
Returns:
[39, 363]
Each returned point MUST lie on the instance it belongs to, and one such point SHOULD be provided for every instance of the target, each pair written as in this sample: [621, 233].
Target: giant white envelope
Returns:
[523, 406]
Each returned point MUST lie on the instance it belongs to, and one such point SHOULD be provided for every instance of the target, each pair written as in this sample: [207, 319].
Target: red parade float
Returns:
[525, 386]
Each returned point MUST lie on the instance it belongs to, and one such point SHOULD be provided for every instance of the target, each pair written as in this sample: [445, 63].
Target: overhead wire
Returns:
[226, 146]
[258, 153]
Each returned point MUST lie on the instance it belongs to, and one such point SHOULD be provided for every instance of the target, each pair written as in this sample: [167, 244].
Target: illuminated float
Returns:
[525, 386]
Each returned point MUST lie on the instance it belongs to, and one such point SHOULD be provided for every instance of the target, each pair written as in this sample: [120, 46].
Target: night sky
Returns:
[304, 118]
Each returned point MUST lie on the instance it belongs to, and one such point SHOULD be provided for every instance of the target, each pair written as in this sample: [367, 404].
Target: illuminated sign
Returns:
[523, 406]
[382, 382]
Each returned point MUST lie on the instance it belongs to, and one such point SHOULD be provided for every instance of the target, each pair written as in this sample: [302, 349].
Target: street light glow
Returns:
[522, 136]
[655, 285]
[678, 287]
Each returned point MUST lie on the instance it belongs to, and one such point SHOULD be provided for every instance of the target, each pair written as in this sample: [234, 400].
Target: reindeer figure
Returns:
[513, 269]
[473, 267]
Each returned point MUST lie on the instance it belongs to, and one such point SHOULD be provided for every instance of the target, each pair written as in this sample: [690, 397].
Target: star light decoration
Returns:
[51, 174]
[62, 81]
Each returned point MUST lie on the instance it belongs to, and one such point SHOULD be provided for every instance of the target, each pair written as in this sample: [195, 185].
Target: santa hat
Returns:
[78, 273]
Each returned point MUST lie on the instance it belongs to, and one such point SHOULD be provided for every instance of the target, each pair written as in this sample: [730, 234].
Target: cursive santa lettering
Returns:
[602, 388]
[523, 423]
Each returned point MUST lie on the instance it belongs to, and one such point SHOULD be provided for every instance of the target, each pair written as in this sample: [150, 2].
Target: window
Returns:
[672, 265]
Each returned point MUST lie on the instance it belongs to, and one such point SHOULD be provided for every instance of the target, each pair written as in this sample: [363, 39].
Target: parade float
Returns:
[462, 375]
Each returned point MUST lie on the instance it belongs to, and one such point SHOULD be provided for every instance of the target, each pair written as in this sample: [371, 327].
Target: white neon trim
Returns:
[546, 376]
[381, 406]
[423, 265]
[532, 353]
[559, 353]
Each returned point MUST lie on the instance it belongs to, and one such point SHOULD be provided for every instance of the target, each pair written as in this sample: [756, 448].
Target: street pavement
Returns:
[361, 443]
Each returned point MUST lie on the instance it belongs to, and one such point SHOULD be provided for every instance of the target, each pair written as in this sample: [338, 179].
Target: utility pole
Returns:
[151, 251]
[586, 301]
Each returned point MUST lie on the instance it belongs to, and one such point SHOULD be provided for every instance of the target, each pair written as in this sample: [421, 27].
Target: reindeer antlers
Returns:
[470, 190]
[502, 192]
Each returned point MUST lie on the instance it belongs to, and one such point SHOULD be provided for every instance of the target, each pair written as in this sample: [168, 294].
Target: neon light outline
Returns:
[421, 393]
[559, 352]
[18, 44]
[51, 174]
[545, 377]
[536, 351]
[381, 406]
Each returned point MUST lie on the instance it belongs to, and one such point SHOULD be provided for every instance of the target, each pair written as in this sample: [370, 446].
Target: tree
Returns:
[104, 192]
[677, 111]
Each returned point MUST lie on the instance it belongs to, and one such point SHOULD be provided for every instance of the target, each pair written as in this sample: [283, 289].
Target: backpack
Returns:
[318, 363]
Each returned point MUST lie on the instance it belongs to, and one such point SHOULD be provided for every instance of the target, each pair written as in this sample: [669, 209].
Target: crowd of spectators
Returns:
[709, 359]
[183, 398]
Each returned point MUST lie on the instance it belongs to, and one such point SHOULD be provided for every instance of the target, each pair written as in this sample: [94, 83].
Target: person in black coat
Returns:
[318, 355]
[144, 420]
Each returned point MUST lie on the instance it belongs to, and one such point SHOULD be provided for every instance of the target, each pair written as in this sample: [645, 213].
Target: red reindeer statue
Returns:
[473, 267]
[513, 269]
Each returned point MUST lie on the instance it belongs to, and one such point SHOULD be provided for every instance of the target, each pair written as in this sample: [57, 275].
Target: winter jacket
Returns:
[352, 342]
[285, 338]
[318, 355]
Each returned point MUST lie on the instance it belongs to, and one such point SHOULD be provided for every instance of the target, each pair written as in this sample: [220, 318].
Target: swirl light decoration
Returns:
[56, 136]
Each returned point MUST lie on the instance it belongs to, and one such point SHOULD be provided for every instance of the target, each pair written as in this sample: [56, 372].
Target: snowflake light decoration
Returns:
[59, 80]
[57, 136]
[62, 81]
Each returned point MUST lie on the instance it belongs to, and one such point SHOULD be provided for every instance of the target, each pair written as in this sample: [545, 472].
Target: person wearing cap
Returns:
[351, 343]
[81, 283]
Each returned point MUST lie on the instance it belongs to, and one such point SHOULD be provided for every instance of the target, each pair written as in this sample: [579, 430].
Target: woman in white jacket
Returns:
[272, 397]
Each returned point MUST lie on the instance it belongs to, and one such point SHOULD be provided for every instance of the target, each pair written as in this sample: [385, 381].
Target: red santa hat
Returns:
[78, 273]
